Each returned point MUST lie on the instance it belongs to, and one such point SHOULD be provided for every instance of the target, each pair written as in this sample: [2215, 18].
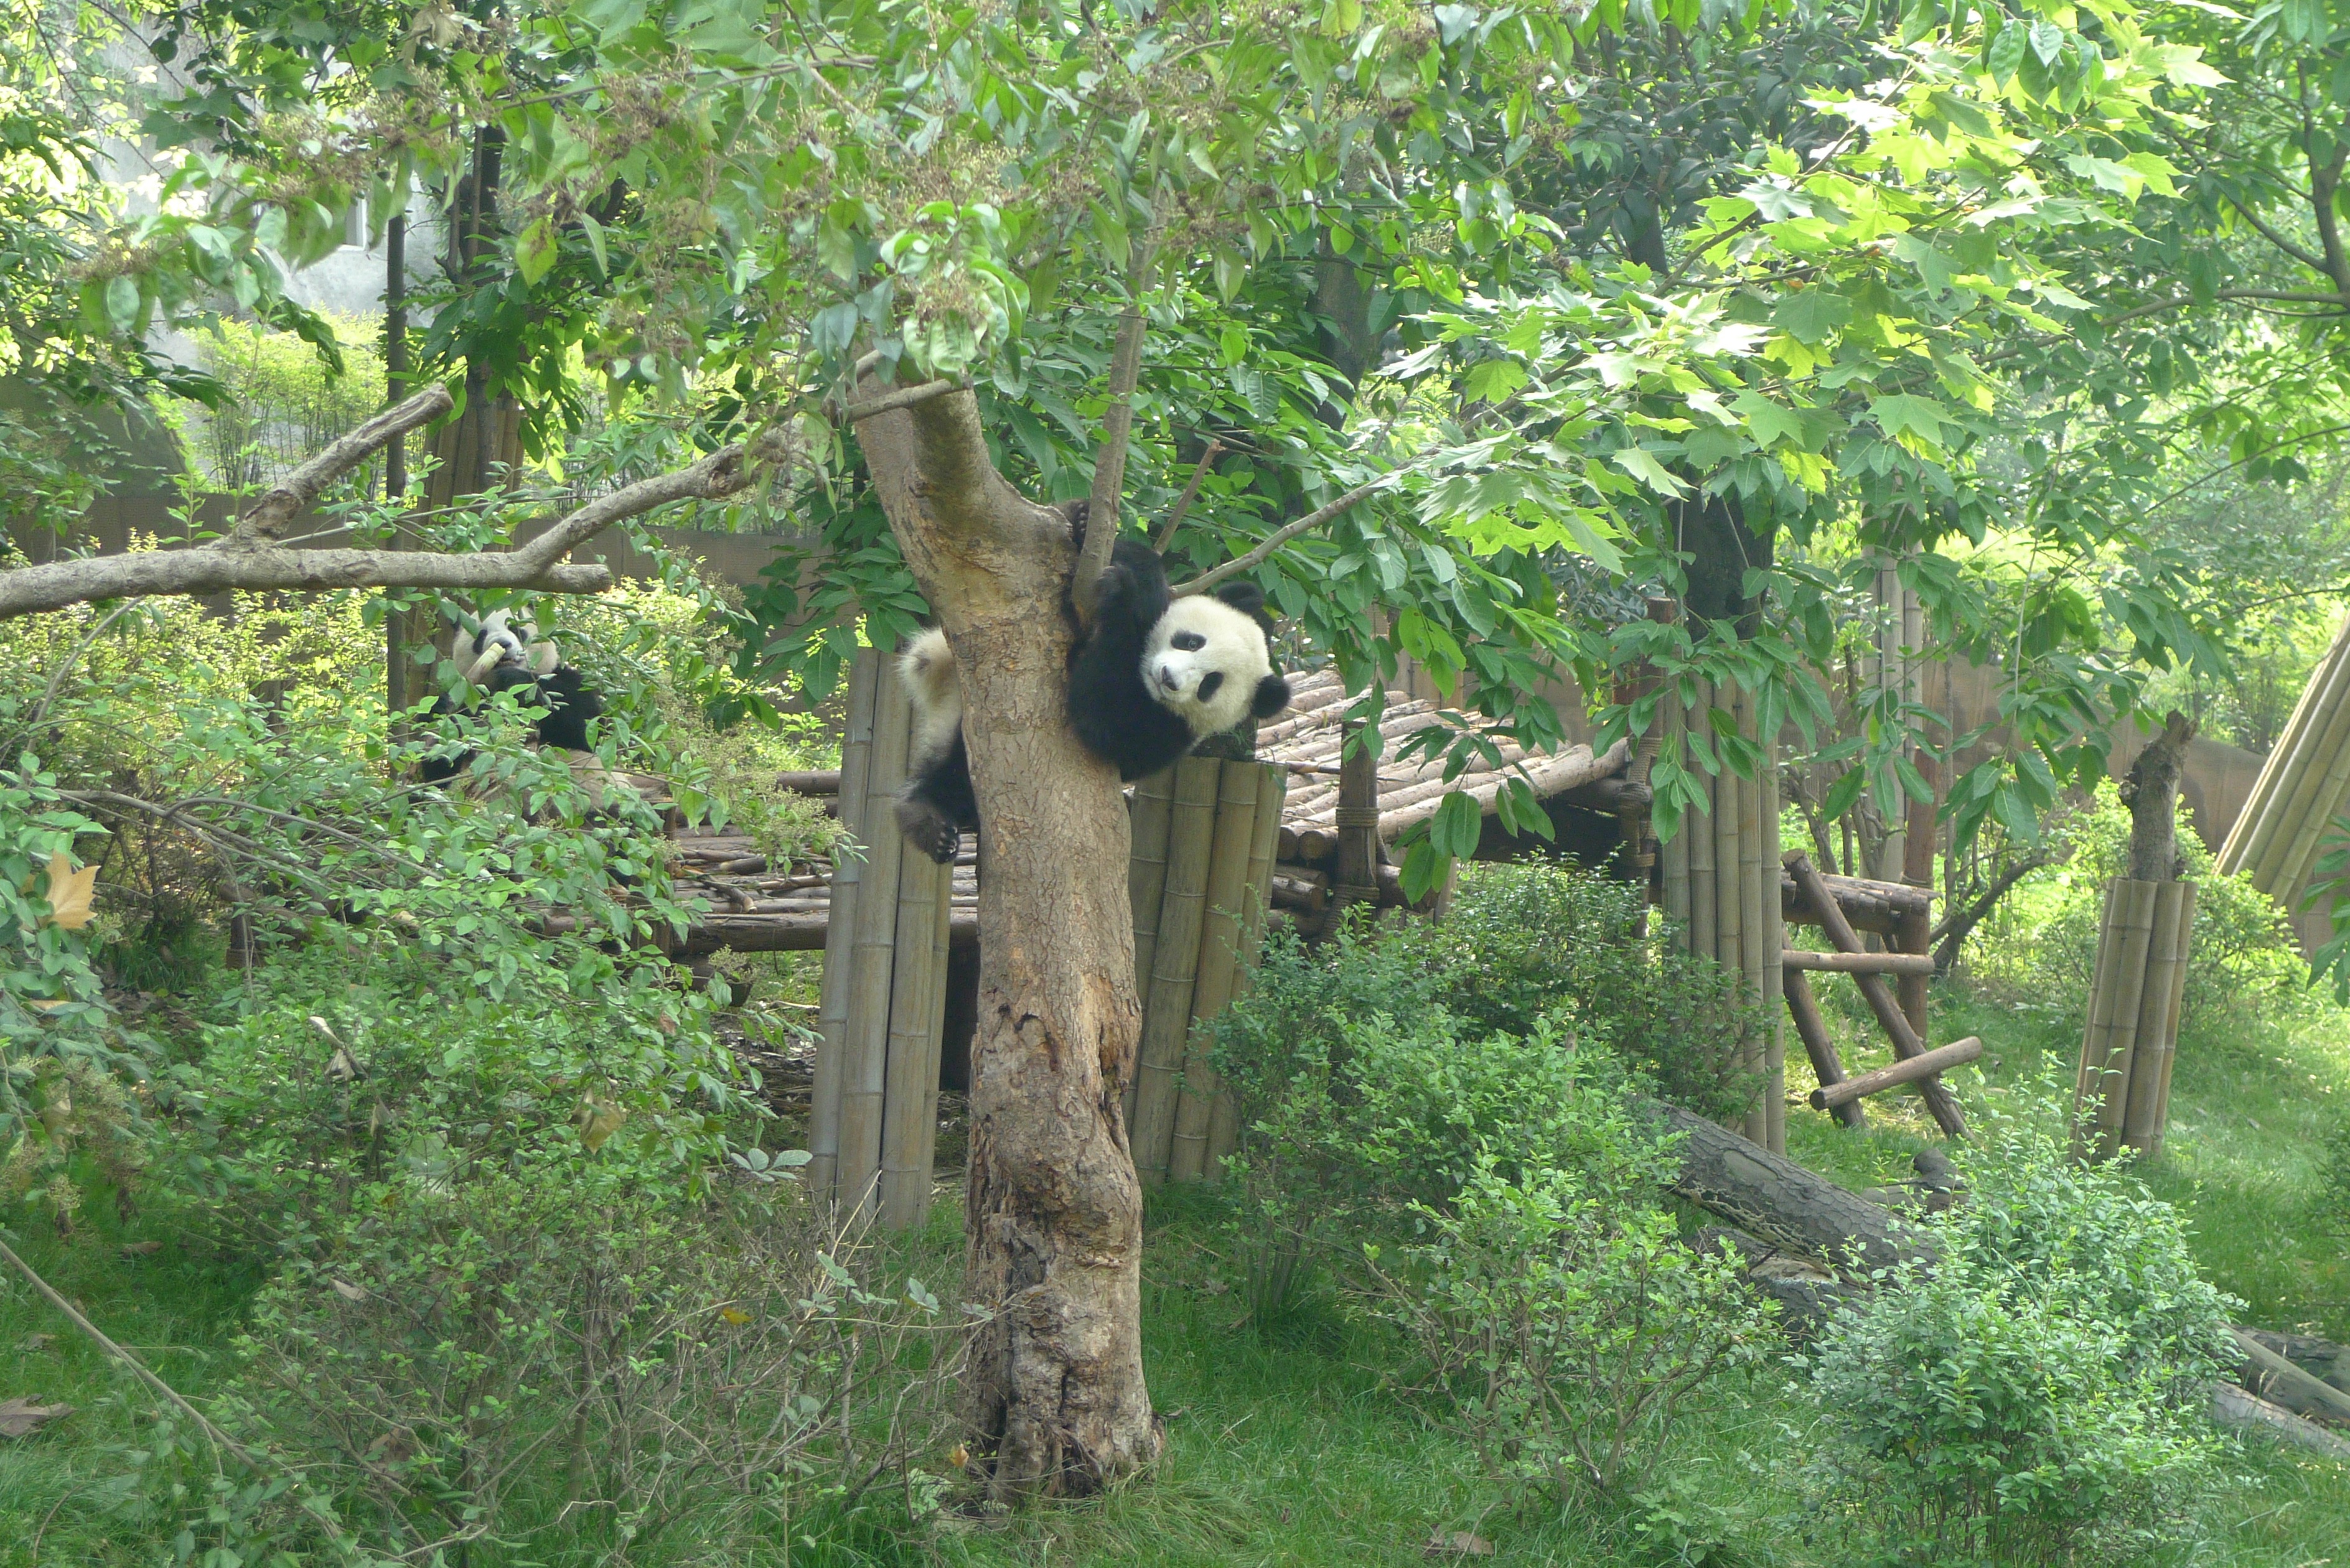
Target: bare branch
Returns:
[2304, 258]
[1191, 493]
[269, 516]
[1109, 462]
[1282, 535]
[903, 398]
[2285, 296]
[258, 566]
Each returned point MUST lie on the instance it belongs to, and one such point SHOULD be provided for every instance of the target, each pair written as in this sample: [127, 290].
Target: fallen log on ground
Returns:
[1776, 1200]
[2233, 1407]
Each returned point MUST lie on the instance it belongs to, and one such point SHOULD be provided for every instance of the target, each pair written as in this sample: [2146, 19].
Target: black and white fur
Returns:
[1156, 676]
[503, 654]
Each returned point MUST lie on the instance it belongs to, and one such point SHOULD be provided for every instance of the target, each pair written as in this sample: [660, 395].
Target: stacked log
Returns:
[1718, 887]
[2302, 787]
[873, 1119]
[1205, 835]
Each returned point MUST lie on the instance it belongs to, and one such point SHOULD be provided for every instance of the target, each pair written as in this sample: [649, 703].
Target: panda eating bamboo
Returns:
[503, 654]
[1155, 676]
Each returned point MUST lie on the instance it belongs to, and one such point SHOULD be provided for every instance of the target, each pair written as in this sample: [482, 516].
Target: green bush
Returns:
[1563, 1320]
[2035, 1394]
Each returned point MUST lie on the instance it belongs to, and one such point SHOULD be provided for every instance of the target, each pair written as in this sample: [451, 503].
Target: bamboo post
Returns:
[1755, 954]
[910, 1103]
[1219, 945]
[1223, 1127]
[1813, 1028]
[1166, 1021]
[1770, 938]
[1675, 856]
[872, 944]
[2109, 1041]
[2263, 814]
[1358, 821]
[1145, 885]
[2302, 796]
[2168, 1055]
[1873, 989]
[2291, 869]
[849, 869]
[2157, 1025]
[1702, 902]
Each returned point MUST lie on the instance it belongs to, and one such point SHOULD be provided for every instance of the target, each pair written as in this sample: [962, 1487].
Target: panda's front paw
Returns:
[1075, 514]
[930, 830]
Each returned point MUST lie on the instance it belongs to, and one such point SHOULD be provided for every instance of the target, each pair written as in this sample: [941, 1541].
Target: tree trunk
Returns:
[1054, 1398]
[2151, 791]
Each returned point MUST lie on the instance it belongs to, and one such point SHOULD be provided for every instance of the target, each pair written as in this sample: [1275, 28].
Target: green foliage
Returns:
[279, 404]
[2039, 946]
[2035, 1394]
[1562, 1318]
[1522, 943]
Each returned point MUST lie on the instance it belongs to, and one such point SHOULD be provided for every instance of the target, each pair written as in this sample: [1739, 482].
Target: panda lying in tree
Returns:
[505, 655]
[1156, 676]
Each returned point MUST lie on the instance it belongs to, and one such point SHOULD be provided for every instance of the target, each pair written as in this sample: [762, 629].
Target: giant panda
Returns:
[503, 654]
[1156, 676]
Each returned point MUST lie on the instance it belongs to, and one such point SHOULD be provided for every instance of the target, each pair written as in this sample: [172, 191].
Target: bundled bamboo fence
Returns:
[1720, 876]
[873, 1117]
[1198, 882]
[2121, 1095]
[2303, 788]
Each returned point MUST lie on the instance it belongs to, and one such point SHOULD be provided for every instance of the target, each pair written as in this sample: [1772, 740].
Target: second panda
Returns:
[1156, 676]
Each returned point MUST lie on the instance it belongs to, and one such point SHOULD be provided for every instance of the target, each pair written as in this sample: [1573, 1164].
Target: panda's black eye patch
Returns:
[1190, 641]
[1209, 682]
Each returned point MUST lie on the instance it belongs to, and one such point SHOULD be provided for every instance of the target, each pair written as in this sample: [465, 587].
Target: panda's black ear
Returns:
[1242, 595]
[1272, 697]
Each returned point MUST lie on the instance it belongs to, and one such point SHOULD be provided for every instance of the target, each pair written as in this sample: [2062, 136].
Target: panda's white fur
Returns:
[928, 668]
[1203, 663]
[501, 639]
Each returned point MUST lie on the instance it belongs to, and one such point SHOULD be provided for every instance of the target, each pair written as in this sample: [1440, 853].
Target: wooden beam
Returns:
[1957, 1054]
[1813, 1030]
[1889, 1016]
[1857, 963]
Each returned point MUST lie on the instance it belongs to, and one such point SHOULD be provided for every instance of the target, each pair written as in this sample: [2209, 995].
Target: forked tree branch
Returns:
[1282, 536]
[251, 559]
[1191, 493]
[1109, 462]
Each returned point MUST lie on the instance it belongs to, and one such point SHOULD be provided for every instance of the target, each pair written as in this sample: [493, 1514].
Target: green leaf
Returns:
[534, 251]
[1454, 830]
[1642, 465]
[1809, 315]
[122, 302]
[1907, 411]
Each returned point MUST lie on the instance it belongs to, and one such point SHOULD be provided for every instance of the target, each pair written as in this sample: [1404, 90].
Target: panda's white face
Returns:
[1203, 662]
[500, 640]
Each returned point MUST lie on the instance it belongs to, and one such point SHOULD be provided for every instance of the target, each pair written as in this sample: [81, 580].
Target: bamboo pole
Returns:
[910, 1101]
[1701, 848]
[1771, 939]
[1676, 855]
[1145, 885]
[1223, 1127]
[2099, 1015]
[1219, 948]
[2157, 1019]
[1813, 1030]
[871, 952]
[2161, 1118]
[2257, 824]
[1957, 1054]
[2109, 1043]
[2329, 738]
[1879, 995]
[1168, 1021]
[1728, 906]
[2301, 850]
[849, 868]
[1755, 954]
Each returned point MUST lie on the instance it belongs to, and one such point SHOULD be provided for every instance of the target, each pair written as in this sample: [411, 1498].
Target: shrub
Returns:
[1564, 1320]
[1525, 941]
[2034, 1395]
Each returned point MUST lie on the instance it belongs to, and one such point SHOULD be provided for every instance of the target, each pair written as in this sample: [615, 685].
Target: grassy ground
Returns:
[1288, 1450]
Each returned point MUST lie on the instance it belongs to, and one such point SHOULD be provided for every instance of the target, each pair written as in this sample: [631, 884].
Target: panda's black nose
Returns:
[1168, 679]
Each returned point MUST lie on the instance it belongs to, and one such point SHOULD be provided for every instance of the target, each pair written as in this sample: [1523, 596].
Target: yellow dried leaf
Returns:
[70, 892]
[598, 1120]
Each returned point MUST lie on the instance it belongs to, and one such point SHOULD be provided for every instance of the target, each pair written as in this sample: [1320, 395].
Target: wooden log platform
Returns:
[1857, 963]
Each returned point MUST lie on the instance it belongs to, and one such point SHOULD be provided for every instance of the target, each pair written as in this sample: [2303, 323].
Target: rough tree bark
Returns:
[1055, 1397]
[2151, 791]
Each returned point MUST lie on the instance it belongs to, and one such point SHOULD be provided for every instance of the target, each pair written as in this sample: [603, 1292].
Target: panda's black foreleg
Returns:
[938, 803]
